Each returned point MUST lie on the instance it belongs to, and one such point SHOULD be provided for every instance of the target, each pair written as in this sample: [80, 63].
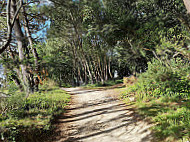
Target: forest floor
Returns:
[97, 115]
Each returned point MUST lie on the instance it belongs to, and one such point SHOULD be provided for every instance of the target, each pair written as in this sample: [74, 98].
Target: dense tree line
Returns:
[88, 41]
[93, 39]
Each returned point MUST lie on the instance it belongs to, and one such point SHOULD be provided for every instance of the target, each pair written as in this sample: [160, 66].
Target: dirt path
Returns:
[97, 116]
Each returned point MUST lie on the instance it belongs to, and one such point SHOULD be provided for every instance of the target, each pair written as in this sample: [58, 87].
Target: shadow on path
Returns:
[103, 120]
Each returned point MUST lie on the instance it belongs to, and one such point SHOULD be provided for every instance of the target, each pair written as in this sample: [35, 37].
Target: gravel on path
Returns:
[98, 116]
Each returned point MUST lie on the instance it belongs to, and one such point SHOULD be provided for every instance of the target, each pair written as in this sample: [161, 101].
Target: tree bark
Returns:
[17, 82]
[106, 69]
[15, 78]
[34, 51]
[21, 43]
[109, 68]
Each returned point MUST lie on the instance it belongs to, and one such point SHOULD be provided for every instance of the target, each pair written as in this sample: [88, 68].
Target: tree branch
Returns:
[10, 25]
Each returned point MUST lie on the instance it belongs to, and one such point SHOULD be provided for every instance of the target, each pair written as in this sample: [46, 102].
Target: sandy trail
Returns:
[98, 116]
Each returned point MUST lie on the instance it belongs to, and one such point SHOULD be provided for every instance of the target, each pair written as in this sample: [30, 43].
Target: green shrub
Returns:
[20, 116]
[164, 80]
[171, 119]
[12, 87]
[163, 95]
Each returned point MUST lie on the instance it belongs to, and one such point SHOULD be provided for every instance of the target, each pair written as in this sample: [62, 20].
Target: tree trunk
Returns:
[101, 71]
[106, 68]
[80, 77]
[14, 77]
[109, 65]
[85, 75]
[21, 43]
[34, 51]
[34, 81]
[17, 82]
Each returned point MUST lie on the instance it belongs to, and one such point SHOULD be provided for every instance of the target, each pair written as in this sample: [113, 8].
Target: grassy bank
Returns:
[171, 118]
[28, 119]
[162, 94]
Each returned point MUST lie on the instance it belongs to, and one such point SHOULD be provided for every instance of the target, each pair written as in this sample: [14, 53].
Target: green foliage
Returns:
[123, 34]
[12, 87]
[170, 115]
[20, 116]
[59, 67]
[162, 80]
[162, 93]
[2, 23]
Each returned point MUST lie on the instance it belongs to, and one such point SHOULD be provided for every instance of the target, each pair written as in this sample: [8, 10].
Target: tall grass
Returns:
[163, 95]
[24, 119]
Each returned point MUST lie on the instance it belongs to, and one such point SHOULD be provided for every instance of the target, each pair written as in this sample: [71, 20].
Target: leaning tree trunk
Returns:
[21, 43]
[29, 36]
[16, 77]
[34, 80]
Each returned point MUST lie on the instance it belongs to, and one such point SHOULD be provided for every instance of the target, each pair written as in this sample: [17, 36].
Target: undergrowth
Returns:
[24, 119]
[162, 94]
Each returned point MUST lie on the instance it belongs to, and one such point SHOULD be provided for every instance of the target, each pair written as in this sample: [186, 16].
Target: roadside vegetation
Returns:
[162, 94]
[30, 119]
